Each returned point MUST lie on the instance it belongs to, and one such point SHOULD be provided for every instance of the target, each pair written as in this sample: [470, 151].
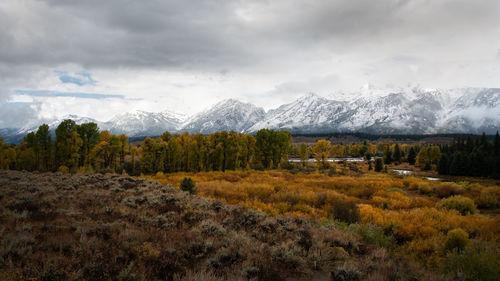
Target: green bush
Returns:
[477, 262]
[345, 211]
[187, 184]
[63, 169]
[460, 203]
[456, 239]
[374, 235]
[488, 199]
[424, 188]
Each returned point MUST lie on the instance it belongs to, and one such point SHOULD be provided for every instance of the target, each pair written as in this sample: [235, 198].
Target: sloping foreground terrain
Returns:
[97, 227]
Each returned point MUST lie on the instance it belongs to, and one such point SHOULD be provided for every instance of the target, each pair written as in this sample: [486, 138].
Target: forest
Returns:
[84, 148]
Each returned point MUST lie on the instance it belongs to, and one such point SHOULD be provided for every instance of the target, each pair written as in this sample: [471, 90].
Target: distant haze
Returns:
[99, 58]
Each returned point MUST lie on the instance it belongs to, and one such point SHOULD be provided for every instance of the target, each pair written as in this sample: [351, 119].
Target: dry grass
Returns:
[95, 227]
[406, 208]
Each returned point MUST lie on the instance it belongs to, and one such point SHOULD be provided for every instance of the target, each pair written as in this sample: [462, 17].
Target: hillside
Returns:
[97, 227]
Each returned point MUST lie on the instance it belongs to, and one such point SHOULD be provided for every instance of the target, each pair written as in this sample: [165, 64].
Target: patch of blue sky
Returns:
[79, 78]
[47, 93]
[19, 103]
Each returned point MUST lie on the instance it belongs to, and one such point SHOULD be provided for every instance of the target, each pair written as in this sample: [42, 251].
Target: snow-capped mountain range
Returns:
[411, 110]
[226, 115]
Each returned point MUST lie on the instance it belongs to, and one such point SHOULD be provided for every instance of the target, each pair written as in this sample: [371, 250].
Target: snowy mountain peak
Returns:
[142, 123]
[409, 109]
[228, 102]
[226, 115]
[309, 96]
[412, 110]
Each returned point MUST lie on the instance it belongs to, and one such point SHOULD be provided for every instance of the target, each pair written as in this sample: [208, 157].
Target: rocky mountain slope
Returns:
[407, 110]
[411, 110]
[226, 115]
[142, 123]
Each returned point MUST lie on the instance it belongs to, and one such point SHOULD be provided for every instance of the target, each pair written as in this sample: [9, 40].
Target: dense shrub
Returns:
[346, 273]
[379, 164]
[448, 189]
[478, 262]
[224, 259]
[488, 199]
[456, 239]
[460, 203]
[345, 211]
[187, 184]
[23, 203]
[332, 171]
[374, 235]
[63, 169]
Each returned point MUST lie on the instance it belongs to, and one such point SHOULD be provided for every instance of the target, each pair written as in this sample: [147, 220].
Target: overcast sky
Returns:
[98, 58]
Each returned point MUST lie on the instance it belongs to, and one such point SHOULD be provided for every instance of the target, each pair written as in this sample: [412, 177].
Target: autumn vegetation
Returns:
[449, 227]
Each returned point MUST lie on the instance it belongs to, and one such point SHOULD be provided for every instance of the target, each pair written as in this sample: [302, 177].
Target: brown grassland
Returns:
[58, 226]
[410, 216]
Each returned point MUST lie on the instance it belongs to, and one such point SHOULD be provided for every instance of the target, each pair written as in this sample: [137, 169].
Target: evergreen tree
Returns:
[412, 156]
[387, 155]
[396, 155]
[379, 164]
[496, 145]
[188, 185]
[443, 166]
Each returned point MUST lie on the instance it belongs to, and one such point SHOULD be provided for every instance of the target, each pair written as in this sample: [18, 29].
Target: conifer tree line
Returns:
[478, 157]
[83, 148]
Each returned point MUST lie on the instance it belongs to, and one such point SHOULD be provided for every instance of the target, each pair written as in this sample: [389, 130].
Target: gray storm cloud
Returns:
[215, 34]
[290, 42]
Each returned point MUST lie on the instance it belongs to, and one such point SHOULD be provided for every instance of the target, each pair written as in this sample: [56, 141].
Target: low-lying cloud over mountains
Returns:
[376, 111]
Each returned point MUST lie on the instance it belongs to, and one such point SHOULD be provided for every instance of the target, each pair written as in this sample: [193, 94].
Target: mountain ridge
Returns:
[376, 111]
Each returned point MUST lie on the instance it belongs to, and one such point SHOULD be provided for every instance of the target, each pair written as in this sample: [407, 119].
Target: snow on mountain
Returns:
[142, 123]
[309, 113]
[33, 126]
[16, 135]
[410, 110]
[226, 115]
[137, 123]
[475, 110]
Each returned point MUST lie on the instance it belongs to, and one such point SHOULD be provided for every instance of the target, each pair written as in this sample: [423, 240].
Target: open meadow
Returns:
[413, 217]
